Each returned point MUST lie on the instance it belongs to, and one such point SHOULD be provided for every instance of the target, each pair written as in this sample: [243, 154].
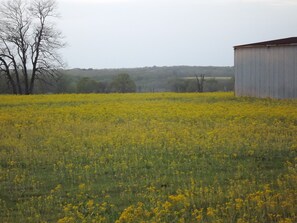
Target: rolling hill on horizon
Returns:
[152, 78]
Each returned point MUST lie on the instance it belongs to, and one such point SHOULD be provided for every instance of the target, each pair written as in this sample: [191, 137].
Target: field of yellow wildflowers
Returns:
[160, 157]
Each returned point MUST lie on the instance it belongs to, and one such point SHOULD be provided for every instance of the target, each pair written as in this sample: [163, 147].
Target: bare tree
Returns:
[29, 43]
[200, 82]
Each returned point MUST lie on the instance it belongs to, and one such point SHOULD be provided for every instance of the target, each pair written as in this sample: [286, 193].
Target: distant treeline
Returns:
[147, 79]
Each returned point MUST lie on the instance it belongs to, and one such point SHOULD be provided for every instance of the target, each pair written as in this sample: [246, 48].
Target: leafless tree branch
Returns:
[29, 42]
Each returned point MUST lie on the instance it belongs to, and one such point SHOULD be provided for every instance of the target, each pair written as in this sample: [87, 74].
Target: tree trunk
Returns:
[9, 77]
[200, 82]
[18, 82]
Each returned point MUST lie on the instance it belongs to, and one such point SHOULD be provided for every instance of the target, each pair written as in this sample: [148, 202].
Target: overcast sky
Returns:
[137, 33]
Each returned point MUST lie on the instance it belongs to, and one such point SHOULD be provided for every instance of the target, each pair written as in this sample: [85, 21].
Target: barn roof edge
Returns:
[277, 42]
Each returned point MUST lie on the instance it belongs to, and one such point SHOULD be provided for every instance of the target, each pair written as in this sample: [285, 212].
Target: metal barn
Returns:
[266, 69]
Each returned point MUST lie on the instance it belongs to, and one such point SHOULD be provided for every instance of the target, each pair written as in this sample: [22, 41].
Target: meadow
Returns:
[161, 157]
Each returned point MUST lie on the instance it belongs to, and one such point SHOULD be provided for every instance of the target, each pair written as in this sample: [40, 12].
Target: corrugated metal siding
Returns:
[266, 72]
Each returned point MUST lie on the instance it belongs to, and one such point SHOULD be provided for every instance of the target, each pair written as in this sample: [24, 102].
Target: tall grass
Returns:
[160, 157]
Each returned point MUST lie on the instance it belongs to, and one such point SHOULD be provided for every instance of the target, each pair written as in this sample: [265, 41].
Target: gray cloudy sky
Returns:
[137, 33]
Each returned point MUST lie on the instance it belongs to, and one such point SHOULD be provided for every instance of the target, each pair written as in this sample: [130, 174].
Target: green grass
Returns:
[147, 157]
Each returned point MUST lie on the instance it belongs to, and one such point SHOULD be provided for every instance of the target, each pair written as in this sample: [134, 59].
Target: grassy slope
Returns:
[159, 157]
